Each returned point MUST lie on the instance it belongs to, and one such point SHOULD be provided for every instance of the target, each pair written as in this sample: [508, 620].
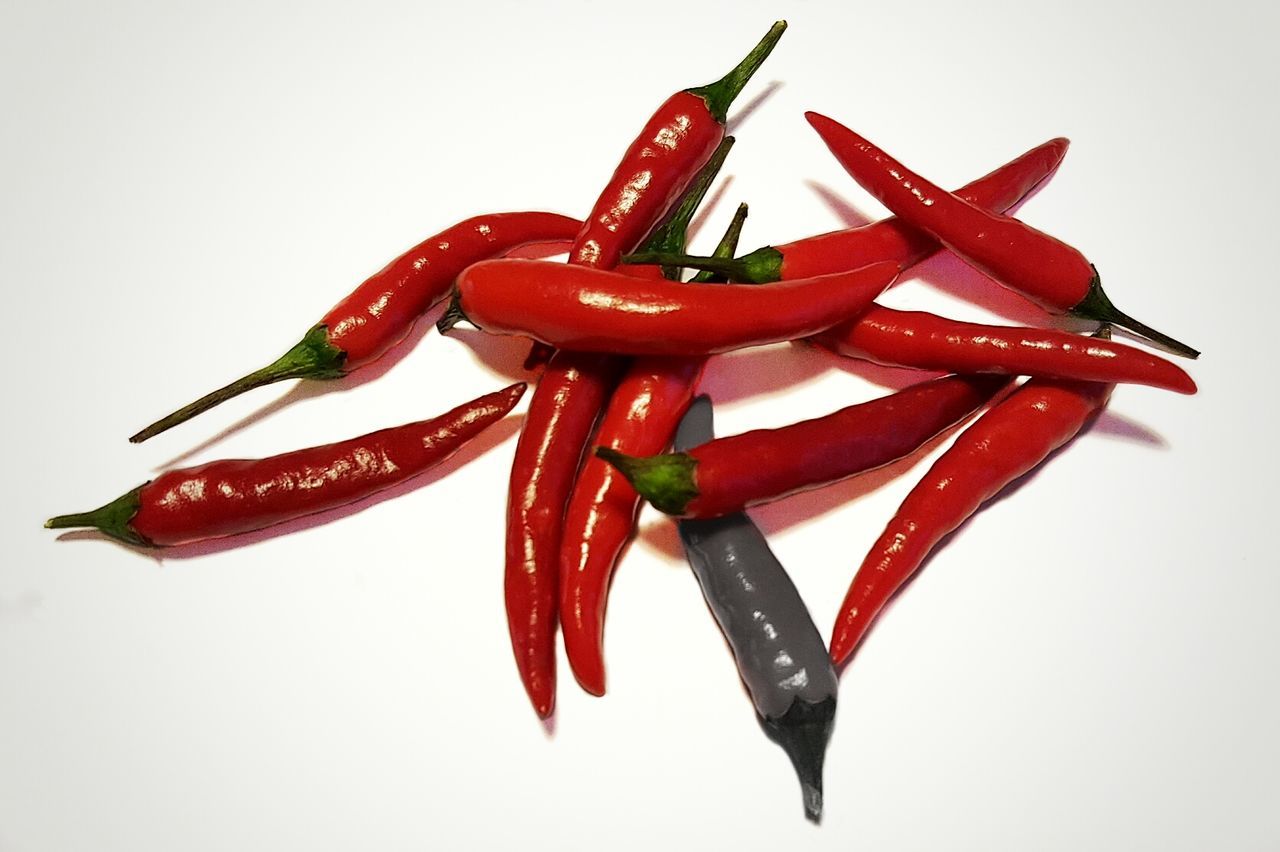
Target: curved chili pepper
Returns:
[641, 418]
[930, 342]
[675, 143]
[681, 137]
[1044, 269]
[233, 496]
[730, 474]
[1008, 441]
[888, 239]
[593, 310]
[778, 650]
[381, 312]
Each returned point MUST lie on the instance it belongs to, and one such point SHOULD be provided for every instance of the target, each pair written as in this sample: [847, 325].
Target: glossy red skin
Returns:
[930, 342]
[572, 390]
[675, 143]
[1042, 268]
[1011, 439]
[599, 311]
[238, 495]
[382, 311]
[767, 464]
[641, 419]
[893, 239]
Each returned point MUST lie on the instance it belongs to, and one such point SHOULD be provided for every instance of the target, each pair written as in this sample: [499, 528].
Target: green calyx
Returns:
[314, 357]
[112, 519]
[1097, 306]
[726, 247]
[762, 266]
[666, 481]
[720, 94]
[453, 314]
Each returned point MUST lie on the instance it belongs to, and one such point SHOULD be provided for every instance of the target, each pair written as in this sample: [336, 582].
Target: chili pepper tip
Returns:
[803, 732]
[112, 519]
[666, 480]
[314, 357]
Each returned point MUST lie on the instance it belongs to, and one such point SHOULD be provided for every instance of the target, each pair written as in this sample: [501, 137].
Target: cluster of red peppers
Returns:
[627, 340]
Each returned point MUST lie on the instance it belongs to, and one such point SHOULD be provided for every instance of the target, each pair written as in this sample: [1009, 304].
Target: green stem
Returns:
[1097, 306]
[671, 234]
[452, 315]
[726, 247]
[112, 519]
[312, 358]
[727, 267]
[720, 94]
[666, 480]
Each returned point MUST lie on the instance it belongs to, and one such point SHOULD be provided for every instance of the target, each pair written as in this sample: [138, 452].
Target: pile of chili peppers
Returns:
[621, 340]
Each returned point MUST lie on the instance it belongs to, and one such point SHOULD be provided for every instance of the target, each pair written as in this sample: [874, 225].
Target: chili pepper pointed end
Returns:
[313, 357]
[112, 519]
[666, 480]
[1096, 305]
[803, 732]
[452, 315]
[720, 94]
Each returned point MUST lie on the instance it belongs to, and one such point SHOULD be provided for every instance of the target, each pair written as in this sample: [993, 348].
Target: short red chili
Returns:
[1012, 438]
[729, 474]
[1042, 268]
[641, 418]
[889, 239]
[597, 311]
[382, 311]
[930, 342]
[232, 496]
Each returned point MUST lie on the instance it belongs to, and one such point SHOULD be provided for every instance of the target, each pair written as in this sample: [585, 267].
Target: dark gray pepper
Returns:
[780, 653]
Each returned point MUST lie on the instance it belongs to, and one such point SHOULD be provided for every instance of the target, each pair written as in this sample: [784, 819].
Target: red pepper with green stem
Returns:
[730, 474]
[1011, 439]
[889, 239]
[1044, 269]
[594, 310]
[641, 418]
[676, 142]
[382, 311]
[929, 342]
[233, 496]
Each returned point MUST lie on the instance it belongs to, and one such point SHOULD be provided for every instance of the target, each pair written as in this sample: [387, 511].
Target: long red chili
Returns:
[1042, 268]
[641, 418]
[675, 143]
[729, 474]
[232, 496]
[597, 311]
[930, 342]
[1013, 437]
[889, 239]
[382, 311]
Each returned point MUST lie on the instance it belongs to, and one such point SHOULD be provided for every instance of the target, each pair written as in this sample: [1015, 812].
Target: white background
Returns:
[1091, 663]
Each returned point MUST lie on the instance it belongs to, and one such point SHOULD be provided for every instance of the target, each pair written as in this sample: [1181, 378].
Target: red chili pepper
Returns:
[889, 239]
[597, 311]
[676, 142]
[641, 418]
[1042, 268]
[232, 496]
[930, 342]
[381, 312]
[729, 474]
[1002, 445]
